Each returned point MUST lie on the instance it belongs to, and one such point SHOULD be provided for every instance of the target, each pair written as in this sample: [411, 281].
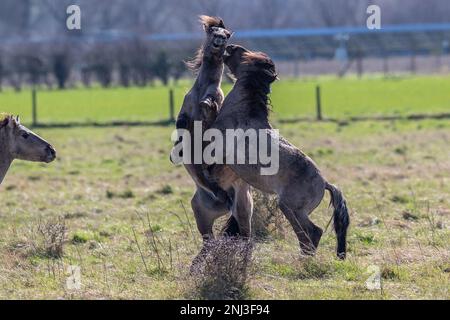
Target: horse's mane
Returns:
[4, 117]
[254, 57]
[209, 22]
[195, 63]
[257, 81]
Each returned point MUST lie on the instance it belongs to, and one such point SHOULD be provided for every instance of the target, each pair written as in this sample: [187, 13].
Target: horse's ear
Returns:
[18, 119]
[221, 24]
[202, 20]
[4, 122]
[10, 122]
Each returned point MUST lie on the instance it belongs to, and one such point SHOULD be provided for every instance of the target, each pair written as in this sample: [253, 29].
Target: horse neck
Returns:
[212, 68]
[5, 157]
[252, 96]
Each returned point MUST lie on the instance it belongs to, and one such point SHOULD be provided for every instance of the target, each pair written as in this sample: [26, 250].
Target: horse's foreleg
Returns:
[206, 211]
[212, 188]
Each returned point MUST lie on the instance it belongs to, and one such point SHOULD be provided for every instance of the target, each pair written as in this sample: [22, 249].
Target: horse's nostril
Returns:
[51, 150]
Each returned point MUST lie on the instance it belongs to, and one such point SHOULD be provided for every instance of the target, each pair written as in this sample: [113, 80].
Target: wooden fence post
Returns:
[171, 106]
[34, 106]
[318, 103]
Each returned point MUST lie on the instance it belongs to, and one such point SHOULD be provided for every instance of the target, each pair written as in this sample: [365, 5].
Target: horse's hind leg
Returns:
[206, 211]
[307, 232]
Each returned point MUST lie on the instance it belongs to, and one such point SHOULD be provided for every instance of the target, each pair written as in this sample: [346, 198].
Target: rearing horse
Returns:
[219, 190]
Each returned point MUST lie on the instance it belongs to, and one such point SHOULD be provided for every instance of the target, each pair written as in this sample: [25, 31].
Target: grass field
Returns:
[122, 203]
[341, 98]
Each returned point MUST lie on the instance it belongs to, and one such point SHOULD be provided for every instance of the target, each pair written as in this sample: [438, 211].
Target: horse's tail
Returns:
[341, 219]
[231, 228]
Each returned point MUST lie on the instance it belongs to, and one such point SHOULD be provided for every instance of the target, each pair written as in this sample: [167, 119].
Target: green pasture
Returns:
[124, 209]
[341, 98]
[116, 192]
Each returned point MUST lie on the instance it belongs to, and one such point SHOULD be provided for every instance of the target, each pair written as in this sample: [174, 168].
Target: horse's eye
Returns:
[25, 135]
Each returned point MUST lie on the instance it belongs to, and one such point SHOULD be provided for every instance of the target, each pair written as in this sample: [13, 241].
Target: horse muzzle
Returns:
[51, 154]
[219, 43]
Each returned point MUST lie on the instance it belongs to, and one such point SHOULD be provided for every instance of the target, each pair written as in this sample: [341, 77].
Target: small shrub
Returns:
[409, 216]
[390, 273]
[313, 268]
[156, 228]
[75, 215]
[127, 194]
[44, 239]
[267, 218]
[167, 189]
[220, 271]
[366, 238]
[54, 235]
[402, 150]
[80, 237]
[400, 199]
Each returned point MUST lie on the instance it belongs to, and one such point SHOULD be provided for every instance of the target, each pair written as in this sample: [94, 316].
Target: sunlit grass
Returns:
[116, 189]
[341, 98]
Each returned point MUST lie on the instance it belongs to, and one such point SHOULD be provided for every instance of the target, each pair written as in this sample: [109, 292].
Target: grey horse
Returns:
[298, 183]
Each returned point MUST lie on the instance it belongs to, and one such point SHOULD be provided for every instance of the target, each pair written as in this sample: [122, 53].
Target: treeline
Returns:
[47, 17]
[59, 66]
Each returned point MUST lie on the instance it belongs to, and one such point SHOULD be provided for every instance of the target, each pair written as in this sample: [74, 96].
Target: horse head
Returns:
[217, 35]
[21, 143]
[242, 61]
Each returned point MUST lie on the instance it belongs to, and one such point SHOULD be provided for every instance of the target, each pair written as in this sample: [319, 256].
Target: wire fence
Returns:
[330, 99]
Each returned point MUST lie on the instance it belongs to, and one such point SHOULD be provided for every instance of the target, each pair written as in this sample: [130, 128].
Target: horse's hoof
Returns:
[309, 247]
[341, 255]
[307, 250]
[206, 104]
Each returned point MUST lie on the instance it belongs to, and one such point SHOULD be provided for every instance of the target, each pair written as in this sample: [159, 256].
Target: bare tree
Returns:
[61, 67]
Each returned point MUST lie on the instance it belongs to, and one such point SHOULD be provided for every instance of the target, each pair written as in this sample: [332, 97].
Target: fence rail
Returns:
[293, 100]
[169, 119]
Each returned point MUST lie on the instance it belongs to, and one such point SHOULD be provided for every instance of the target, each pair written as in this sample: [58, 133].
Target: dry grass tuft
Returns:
[220, 271]
[53, 234]
[45, 238]
[314, 268]
[267, 219]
